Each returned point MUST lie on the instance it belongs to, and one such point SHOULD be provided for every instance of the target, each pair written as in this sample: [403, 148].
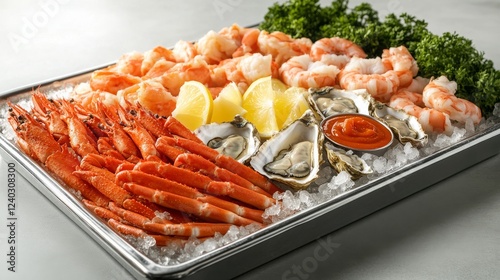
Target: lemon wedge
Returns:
[258, 101]
[290, 105]
[227, 104]
[194, 105]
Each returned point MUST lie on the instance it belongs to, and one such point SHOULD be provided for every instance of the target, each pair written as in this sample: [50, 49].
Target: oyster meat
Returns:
[406, 127]
[328, 101]
[293, 155]
[294, 162]
[238, 139]
[342, 160]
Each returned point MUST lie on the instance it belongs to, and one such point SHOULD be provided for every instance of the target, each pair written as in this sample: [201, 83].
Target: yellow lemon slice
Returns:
[258, 101]
[194, 105]
[290, 105]
[227, 104]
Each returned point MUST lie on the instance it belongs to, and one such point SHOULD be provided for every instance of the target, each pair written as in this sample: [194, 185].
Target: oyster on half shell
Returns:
[406, 127]
[238, 139]
[329, 101]
[293, 155]
[341, 160]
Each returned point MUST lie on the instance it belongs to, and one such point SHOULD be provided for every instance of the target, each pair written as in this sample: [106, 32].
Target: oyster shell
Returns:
[238, 139]
[342, 160]
[328, 101]
[293, 155]
[406, 127]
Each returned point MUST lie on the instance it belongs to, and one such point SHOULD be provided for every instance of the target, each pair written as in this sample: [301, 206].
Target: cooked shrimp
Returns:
[249, 42]
[159, 68]
[281, 46]
[418, 84]
[402, 62]
[370, 74]
[129, 63]
[150, 95]
[243, 70]
[88, 98]
[440, 95]
[110, 81]
[196, 69]
[302, 71]
[215, 47]
[184, 51]
[152, 56]
[339, 60]
[430, 119]
[337, 46]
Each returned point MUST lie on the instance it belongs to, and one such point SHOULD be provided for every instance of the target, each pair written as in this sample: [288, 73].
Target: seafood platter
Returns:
[169, 200]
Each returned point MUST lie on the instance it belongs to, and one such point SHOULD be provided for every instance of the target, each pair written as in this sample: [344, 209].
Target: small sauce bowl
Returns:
[358, 132]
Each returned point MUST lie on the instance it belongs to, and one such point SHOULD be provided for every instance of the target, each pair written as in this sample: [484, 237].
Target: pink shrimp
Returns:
[243, 70]
[335, 46]
[196, 69]
[369, 74]
[110, 81]
[302, 71]
[430, 119]
[184, 51]
[215, 47]
[402, 62]
[129, 63]
[417, 84]
[281, 46]
[249, 42]
[150, 95]
[151, 57]
[440, 95]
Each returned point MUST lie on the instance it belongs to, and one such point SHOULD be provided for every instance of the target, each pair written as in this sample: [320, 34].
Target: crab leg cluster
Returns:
[144, 175]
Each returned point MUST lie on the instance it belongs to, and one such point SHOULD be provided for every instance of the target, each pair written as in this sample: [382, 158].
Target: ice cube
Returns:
[379, 165]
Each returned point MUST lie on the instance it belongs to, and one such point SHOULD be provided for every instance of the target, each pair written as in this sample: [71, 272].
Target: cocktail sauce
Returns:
[357, 131]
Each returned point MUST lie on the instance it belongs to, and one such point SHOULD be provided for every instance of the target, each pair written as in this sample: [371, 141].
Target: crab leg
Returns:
[251, 175]
[141, 137]
[57, 159]
[207, 167]
[63, 164]
[105, 148]
[225, 162]
[176, 188]
[104, 185]
[200, 181]
[189, 229]
[170, 151]
[101, 211]
[161, 240]
[50, 115]
[175, 127]
[188, 205]
[153, 123]
[169, 228]
[33, 137]
[121, 140]
[81, 139]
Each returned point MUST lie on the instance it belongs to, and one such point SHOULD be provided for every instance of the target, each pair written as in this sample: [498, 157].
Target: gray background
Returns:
[449, 231]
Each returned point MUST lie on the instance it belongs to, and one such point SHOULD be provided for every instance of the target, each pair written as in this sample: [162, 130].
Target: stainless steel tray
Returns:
[274, 240]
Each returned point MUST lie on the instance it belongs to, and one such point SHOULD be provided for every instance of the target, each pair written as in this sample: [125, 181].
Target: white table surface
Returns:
[448, 231]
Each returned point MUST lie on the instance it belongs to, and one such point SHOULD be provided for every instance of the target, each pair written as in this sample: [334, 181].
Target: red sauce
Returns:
[357, 132]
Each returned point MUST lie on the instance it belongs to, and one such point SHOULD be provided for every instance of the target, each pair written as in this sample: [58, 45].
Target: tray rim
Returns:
[140, 265]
